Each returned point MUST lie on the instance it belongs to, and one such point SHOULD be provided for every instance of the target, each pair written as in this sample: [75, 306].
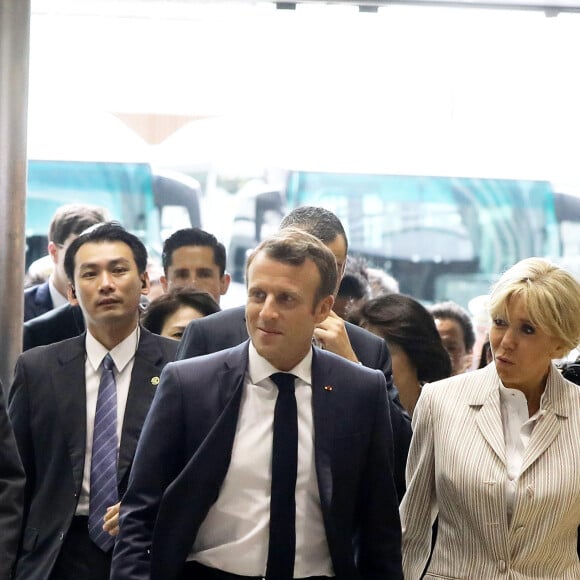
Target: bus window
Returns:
[134, 195]
[440, 237]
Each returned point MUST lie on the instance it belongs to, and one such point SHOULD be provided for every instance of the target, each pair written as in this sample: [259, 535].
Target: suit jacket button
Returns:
[61, 536]
[502, 566]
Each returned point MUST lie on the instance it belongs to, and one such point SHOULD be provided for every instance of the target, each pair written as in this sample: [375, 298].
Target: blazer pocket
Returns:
[29, 539]
[439, 577]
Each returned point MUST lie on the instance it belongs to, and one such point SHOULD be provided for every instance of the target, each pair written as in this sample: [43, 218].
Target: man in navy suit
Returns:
[228, 328]
[202, 501]
[66, 225]
[54, 405]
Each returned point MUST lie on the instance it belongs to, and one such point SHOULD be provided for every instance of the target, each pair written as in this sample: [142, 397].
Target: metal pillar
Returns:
[14, 61]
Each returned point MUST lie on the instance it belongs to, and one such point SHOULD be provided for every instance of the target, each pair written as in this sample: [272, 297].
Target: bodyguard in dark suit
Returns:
[11, 494]
[275, 456]
[228, 328]
[77, 408]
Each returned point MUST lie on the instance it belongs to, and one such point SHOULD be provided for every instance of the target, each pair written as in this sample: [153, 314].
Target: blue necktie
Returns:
[103, 492]
[282, 545]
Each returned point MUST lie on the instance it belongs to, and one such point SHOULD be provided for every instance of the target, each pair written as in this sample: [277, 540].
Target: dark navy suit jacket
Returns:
[184, 452]
[37, 301]
[48, 412]
[228, 328]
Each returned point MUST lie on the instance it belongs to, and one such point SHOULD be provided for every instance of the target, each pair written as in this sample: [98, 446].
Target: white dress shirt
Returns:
[517, 430]
[123, 356]
[234, 535]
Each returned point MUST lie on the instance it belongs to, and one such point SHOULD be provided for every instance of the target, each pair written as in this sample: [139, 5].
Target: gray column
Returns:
[14, 57]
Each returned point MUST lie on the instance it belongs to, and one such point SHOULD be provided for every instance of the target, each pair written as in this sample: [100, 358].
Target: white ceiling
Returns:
[488, 92]
[141, 7]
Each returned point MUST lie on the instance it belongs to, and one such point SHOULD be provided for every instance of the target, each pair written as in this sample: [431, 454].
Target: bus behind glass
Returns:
[442, 238]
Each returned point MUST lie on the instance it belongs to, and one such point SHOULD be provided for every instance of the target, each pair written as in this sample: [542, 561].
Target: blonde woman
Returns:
[496, 453]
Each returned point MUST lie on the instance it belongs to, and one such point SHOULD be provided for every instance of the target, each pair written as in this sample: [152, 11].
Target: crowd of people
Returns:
[331, 427]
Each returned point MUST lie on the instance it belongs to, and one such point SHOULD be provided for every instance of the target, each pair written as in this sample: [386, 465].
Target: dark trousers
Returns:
[197, 571]
[80, 558]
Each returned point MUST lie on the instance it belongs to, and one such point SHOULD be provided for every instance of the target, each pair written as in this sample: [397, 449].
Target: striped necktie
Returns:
[103, 492]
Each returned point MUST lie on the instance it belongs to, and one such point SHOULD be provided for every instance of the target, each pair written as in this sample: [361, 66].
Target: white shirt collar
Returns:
[57, 298]
[121, 354]
[259, 368]
[508, 395]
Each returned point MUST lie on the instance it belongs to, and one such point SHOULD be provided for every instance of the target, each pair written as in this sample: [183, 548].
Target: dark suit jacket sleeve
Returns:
[156, 464]
[11, 494]
[379, 552]
[375, 354]
[19, 410]
[400, 421]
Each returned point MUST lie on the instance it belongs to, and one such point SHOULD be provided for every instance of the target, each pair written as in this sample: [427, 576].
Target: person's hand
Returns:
[331, 335]
[111, 518]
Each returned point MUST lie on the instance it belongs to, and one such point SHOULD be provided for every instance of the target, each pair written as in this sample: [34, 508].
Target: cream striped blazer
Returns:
[457, 469]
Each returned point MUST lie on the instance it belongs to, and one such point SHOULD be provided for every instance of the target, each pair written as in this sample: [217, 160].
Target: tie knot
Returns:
[108, 363]
[284, 381]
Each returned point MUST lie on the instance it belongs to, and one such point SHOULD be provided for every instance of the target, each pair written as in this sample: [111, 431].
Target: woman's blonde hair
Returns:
[551, 295]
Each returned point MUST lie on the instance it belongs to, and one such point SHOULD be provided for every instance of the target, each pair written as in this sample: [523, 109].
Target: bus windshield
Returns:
[442, 238]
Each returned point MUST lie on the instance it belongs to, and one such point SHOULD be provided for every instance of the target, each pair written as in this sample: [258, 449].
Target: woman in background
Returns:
[417, 353]
[170, 313]
[495, 453]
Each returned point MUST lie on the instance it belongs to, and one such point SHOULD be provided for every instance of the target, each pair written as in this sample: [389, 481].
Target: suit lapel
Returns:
[323, 415]
[217, 446]
[488, 418]
[70, 390]
[543, 435]
[144, 380]
[549, 425]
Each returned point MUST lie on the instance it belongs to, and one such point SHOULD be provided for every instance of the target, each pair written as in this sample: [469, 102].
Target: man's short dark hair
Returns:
[294, 246]
[317, 221]
[74, 219]
[107, 232]
[451, 311]
[193, 237]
